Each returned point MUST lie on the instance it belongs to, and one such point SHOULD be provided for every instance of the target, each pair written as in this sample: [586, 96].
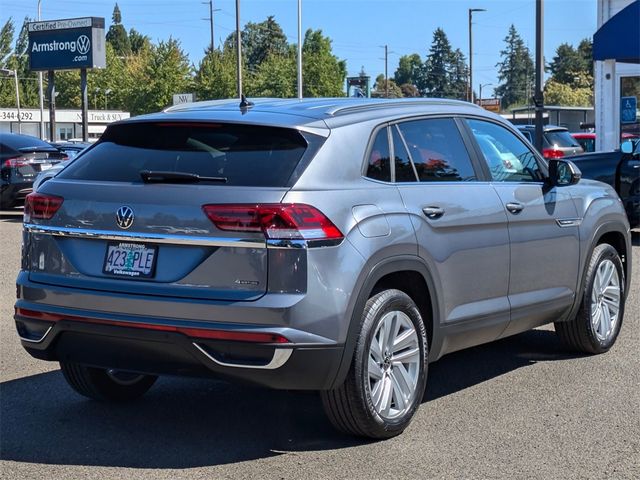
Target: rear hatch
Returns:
[560, 140]
[132, 217]
[29, 161]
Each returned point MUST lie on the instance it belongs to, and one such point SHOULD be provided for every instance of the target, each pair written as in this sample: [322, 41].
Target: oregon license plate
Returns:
[133, 260]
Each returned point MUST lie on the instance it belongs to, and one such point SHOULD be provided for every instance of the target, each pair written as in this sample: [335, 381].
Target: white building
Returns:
[616, 51]
[68, 122]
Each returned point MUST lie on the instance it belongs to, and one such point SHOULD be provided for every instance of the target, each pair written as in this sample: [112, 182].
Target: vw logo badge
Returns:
[124, 217]
[84, 44]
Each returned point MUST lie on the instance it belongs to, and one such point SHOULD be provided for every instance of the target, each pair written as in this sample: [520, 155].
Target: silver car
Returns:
[338, 245]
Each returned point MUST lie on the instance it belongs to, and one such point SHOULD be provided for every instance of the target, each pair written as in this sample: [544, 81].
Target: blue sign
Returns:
[628, 107]
[67, 44]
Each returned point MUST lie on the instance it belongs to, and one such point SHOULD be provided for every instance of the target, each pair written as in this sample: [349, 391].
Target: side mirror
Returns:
[626, 146]
[563, 172]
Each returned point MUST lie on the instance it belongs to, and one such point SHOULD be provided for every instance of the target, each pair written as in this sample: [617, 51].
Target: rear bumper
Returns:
[11, 193]
[158, 350]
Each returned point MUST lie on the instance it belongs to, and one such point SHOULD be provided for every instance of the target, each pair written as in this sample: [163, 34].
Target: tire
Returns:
[106, 385]
[370, 402]
[588, 331]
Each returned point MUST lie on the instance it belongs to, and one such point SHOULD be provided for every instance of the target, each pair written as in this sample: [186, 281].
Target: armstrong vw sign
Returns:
[67, 44]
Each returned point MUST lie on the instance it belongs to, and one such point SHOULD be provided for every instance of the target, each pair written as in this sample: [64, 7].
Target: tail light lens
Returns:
[276, 221]
[552, 153]
[15, 162]
[38, 205]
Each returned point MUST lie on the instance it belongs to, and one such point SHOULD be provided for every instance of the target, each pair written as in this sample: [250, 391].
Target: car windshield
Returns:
[245, 155]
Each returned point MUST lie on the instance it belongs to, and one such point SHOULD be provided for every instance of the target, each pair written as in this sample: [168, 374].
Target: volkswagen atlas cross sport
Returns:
[337, 245]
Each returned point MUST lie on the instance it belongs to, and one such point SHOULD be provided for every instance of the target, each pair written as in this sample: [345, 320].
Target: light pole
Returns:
[471, 10]
[41, 91]
[480, 91]
[238, 50]
[106, 92]
[8, 73]
[299, 48]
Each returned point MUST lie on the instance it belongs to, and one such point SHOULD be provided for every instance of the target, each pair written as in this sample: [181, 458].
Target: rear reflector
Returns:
[15, 162]
[552, 153]
[231, 335]
[38, 205]
[276, 221]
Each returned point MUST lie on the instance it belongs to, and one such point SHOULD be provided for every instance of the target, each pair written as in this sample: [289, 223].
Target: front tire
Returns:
[597, 324]
[106, 385]
[388, 373]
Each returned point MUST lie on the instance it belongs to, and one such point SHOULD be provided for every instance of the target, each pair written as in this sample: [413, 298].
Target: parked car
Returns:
[22, 157]
[71, 150]
[587, 140]
[337, 245]
[557, 141]
[621, 170]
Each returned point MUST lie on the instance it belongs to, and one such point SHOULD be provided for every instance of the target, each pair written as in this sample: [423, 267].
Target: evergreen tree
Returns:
[444, 70]
[566, 65]
[515, 71]
[6, 39]
[458, 75]
[259, 40]
[117, 35]
[409, 70]
[137, 41]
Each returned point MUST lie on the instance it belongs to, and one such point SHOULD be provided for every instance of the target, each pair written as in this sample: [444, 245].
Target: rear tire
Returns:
[597, 323]
[388, 372]
[106, 385]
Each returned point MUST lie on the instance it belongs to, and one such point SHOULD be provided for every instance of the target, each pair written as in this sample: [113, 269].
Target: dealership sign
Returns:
[67, 44]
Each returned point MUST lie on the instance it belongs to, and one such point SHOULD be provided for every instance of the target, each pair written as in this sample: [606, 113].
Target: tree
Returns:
[6, 39]
[566, 65]
[515, 71]
[117, 35]
[458, 75]
[137, 41]
[259, 40]
[17, 60]
[556, 93]
[216, 75]
[409, 70]
[323, 73]
[445, 70]
[409, 90]
[380, 88]
[274, 77]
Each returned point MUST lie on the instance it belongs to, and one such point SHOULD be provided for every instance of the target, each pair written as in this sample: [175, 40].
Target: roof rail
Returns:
[396, 103]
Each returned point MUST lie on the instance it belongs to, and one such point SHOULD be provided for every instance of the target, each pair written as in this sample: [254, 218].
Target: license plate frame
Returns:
[132, 267]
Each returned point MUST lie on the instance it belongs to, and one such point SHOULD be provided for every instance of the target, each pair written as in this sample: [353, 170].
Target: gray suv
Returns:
[337, 245]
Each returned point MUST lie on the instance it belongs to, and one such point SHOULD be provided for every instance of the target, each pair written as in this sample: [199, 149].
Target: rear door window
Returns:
[379, 166]
[245, 155]
[437, 150]
[404, 169]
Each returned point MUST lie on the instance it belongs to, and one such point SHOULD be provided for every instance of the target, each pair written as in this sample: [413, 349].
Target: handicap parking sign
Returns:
[628, 106]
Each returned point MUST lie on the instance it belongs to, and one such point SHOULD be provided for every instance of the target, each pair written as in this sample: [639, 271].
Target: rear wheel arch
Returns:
[413, 275]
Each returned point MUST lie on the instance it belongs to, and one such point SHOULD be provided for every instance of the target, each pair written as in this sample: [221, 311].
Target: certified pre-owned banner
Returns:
[67, 44]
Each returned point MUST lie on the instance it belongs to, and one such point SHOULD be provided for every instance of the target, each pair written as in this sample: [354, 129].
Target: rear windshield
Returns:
[560, 139]
[245, 155]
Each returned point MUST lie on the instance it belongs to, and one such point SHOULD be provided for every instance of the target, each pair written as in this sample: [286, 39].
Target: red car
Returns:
[588, 140]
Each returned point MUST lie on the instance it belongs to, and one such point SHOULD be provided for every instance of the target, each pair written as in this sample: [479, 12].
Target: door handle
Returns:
[515, 207]
[433, 212]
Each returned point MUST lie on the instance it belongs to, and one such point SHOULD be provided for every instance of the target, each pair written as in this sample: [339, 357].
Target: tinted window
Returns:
[404, 169]
[560, 138]
[437, 150]
[379, 167]
[246, 155]
[508, 158]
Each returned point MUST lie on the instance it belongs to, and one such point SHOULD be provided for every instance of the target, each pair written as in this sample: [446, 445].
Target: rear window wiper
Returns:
[149, 176]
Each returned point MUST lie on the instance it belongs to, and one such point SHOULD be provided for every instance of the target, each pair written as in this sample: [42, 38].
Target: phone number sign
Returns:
[67, 44]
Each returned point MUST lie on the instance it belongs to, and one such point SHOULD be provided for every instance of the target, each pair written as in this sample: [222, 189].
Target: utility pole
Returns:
[210, 19]
[238, 50]
[299, 48]
[386, 76]
[538, 95]
[40, 91]
[471, 10]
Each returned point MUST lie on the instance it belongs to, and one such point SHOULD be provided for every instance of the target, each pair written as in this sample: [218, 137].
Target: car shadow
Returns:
[635, 238]
[184, 423]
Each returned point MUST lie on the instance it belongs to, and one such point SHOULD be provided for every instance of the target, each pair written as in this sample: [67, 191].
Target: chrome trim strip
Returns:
[143, 237]
[41, 338]
[280, 357]
[568, 222]
[272, 243]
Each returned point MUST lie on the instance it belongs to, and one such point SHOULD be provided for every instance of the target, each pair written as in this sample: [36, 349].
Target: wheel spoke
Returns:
[596, 317]
[375, 350]
[607, 274]
[404, 340]
[376, 394]
[605, 324]
[374, 369]
[402, 377]
[399, 394]
[408, 356]
[612, 292]
[385, 398]
[389, 331]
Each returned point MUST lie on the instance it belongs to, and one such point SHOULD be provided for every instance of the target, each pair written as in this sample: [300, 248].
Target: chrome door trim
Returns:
[568, 222]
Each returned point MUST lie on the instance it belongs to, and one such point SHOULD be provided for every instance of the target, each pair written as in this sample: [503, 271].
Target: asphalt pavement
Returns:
[517, 408]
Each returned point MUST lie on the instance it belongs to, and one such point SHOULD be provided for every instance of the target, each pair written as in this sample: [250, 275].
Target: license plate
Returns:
[131, 260]
[45, 166]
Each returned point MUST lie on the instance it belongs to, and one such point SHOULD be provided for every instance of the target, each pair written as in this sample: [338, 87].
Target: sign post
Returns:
[67, 44]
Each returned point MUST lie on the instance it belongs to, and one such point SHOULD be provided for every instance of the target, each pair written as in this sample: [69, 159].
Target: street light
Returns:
[41, 92]
[480, 91]
[6, 72]
[106, 92]
[471, 10]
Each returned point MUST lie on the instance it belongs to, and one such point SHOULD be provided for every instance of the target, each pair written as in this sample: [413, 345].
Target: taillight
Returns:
[38, 205]
[552, 153]
[15, 162]
[275, 220]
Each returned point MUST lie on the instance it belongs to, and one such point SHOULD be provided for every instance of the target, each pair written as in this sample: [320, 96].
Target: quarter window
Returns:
[508, 158]
[404, 169]
[379, 167]
[437, 150]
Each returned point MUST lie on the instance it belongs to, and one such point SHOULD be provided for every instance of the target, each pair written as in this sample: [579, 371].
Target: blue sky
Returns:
[358, 27]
